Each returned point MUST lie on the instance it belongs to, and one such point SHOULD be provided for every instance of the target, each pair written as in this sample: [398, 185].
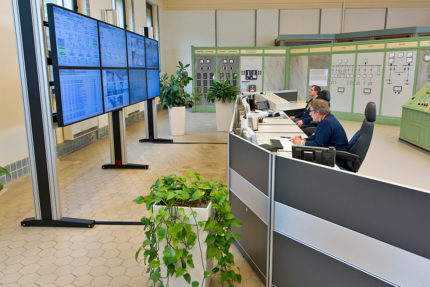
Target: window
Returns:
[120, 7]
[149, 18]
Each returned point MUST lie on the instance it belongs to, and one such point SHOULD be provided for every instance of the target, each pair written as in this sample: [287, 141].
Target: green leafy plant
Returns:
[176, 228]
[221, 91]
[172, 89]
[3, 171]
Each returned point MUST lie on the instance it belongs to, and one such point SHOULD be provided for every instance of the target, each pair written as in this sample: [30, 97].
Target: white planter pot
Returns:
[224, 114]
[177, 121]
[198, 251]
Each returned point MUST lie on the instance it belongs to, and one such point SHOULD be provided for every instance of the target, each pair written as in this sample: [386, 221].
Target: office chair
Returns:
[310, 130]
[353, 157]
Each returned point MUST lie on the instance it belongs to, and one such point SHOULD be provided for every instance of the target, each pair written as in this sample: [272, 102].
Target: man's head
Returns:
[314, 91]
[318, 109]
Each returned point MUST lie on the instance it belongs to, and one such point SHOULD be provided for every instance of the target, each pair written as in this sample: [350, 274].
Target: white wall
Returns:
[236, 27]
[364, 19]
[139, 15]
[331, 20]
[179, 30]
[408, 17]
[267, 28]
[299, 21]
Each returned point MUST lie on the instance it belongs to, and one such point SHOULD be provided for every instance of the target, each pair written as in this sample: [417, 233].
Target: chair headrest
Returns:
[370, 112]
[325, 95]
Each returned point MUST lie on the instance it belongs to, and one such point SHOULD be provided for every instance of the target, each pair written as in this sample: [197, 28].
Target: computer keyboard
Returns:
[276, 103]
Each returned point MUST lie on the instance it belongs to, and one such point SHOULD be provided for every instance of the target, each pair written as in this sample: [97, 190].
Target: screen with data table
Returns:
[81, 95]
[115, 89]
[112, 46]
[151, 53]
[74, 39]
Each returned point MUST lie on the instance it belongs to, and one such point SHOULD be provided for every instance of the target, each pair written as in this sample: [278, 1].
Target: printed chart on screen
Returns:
[81, 95]
[76, 39]
[115, 89]
[113, 47]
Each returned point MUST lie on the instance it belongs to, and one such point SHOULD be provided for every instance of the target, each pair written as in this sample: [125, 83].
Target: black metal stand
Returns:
[64, 222]
[151, 126]
[118, 147]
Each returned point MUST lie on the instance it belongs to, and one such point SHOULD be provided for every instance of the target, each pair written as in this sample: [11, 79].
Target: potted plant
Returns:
[224, 96]
[174, 97]
[3, 171]
[189, 226]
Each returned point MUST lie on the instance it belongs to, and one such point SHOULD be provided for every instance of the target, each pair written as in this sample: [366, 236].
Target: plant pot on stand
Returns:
[224, 114]
[177, 121]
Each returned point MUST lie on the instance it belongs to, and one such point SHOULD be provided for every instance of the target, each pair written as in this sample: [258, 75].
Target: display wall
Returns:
[387, 72]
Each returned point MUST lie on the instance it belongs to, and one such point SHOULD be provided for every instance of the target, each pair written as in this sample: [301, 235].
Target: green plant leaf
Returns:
[196, 195]
[180, 271]
[155, 276]
[212, 251]
[154, 264]
[187, 277]
[207, 274]
[237, 235]
[195, 284]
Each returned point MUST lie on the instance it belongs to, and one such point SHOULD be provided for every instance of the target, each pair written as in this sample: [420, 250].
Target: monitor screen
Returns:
[137, 86]
[153, 81]
[112, 46]
[151, 53]
[79, 96]
[115, 89]
[74, 38]
[136, 50]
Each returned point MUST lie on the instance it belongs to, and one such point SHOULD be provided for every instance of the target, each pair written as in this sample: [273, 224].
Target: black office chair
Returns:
[353, 157]
[310, 130]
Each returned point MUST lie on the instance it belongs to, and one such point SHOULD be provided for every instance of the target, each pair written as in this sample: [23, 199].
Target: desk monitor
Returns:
[321, 155]
[289, 95]
[112, 46]
[151, 53]
[153, 82]
[79, 95]
[137, 80]
[136, 50]
[74, 38]
[115, 89]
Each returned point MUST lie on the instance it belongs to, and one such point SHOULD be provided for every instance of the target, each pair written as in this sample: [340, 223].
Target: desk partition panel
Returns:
[309, 225]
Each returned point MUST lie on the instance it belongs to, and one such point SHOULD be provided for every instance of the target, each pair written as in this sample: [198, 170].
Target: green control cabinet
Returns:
[415, 124]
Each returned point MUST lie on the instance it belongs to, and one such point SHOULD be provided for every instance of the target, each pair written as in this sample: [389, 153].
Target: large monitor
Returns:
[151, 53]
[153, 82]
[289, 95]
[136, 50]
[112, 46]
[115, 89]
[79, 95]
[137, 80]
[74, 39]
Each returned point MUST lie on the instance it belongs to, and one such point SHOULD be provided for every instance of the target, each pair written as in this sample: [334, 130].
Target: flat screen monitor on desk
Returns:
[289, 95]
[321, 155]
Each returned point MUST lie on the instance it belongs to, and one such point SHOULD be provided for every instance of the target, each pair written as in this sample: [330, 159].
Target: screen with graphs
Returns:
[98, 67]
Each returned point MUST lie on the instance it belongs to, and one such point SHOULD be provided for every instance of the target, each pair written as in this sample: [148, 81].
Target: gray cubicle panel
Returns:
[249, 176]
[342, 81]
[423, 75]
[274, 73]
[299, 75]
[334, 228]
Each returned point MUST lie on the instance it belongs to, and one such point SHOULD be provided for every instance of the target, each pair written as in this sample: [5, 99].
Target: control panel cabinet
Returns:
[204, 71]
[415, 125]
[228, 67]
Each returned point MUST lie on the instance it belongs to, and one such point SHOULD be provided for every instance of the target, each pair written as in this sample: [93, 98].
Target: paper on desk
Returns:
[286, 144]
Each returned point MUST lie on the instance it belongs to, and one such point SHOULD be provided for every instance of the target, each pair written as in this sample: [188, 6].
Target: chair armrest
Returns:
[346, 155]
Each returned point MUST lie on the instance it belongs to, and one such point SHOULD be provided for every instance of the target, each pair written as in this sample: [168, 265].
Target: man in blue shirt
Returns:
[303, 119]
[329, 131]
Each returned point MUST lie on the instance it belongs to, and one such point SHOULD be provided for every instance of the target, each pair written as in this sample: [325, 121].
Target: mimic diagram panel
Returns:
[228, 67]
[274, 73]
[204, 71]
[299, 75]
[398, 81]
[423, 75]
[342, 81]
[251, 73]
[368, 80]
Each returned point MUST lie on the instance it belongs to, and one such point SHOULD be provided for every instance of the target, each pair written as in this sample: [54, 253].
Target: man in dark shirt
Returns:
[329, 131]
[303, 119]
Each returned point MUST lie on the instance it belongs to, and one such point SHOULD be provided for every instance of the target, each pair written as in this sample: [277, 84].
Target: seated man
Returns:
[303, 119]
[329, 131]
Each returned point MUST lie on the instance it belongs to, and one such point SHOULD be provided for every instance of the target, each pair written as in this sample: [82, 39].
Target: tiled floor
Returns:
[104, 255]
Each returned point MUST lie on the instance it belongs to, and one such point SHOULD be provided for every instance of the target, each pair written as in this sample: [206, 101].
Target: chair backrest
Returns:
[325, 95]
[360, 142]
